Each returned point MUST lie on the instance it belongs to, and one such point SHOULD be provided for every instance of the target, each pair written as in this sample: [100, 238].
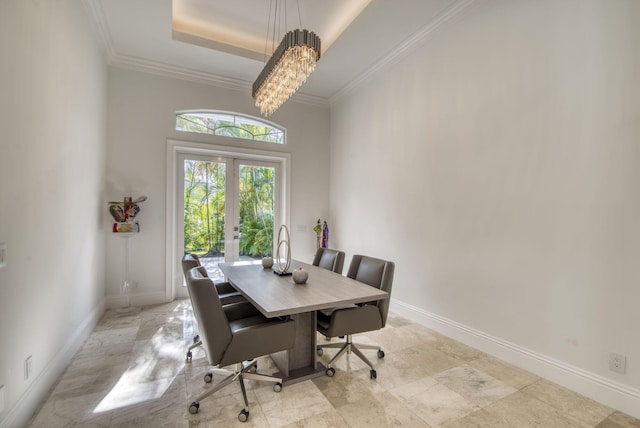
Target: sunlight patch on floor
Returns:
[149, 375]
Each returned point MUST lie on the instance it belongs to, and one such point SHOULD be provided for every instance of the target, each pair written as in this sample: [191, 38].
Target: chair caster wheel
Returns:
[193, 408]
[330, 371]
[319, 351]
[208, 378]
[196, 338]
[380, 353]
[243, 416]
[189, 357]
[373, 374]
[277, 387]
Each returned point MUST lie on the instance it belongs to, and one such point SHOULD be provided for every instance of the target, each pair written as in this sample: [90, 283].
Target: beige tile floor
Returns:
[131, 373]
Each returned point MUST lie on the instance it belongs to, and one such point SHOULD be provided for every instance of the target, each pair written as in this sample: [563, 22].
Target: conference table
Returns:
[276, 296]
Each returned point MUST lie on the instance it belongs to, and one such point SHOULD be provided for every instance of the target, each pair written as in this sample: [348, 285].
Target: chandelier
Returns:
[287, 69]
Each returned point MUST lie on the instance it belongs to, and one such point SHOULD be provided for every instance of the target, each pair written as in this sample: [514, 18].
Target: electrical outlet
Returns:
[28, 367]
[617, 363]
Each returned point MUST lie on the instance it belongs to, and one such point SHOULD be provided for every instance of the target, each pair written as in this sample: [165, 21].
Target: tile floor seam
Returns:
[481, 379]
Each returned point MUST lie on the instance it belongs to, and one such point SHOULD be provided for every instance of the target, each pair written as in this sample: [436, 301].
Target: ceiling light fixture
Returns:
[287, 69]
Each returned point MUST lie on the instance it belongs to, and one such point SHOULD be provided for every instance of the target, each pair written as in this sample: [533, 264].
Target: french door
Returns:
[226, 208]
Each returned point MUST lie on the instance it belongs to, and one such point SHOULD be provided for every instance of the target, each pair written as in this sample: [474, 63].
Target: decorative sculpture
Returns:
[322, 234]
[124, 213]
[126, 226]
[318, 230]
[325, 235]
[283, 260]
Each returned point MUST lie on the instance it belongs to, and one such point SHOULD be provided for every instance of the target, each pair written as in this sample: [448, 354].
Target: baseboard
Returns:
[137, 299]
[606, 391]
[37, 391]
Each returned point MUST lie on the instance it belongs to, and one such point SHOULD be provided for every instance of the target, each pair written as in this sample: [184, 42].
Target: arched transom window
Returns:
[229, 125]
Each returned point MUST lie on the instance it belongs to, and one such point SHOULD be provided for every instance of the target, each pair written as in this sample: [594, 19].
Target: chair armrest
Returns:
[225, 288]
[235, 311]
[259, 338]
[354, 320]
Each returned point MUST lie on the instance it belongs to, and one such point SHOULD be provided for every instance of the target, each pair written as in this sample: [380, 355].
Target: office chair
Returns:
[230, 336]
[327, 258]
[347, 321]
[227, 293]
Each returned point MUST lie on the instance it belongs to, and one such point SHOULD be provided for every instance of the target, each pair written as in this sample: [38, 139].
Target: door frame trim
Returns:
[173, 270]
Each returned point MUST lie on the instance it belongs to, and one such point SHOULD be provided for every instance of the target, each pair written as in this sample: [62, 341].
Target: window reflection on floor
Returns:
[154, 364]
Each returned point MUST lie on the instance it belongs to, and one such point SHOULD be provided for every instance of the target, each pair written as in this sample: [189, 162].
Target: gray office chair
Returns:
[227, 293]
[347, 321]
[327, 258]
[233, 334]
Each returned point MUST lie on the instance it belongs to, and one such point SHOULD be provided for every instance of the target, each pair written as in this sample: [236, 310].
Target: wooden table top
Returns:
[276, 295]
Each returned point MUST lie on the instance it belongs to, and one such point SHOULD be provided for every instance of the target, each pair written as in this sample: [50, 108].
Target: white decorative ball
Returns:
[300, 276]
[267, 262]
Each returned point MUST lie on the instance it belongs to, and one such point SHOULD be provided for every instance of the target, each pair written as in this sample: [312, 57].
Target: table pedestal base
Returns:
[300, 363]
[300, 375]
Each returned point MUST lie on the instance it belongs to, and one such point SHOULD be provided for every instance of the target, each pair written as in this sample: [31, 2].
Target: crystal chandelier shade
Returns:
[287, 69]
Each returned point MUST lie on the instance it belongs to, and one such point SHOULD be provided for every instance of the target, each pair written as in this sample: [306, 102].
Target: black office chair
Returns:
[227, 293]
[347, 321]
[229, 338]
[327, 258]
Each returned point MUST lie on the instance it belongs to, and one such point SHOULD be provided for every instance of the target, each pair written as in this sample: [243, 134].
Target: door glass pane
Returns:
[256, 210]
[204, 212]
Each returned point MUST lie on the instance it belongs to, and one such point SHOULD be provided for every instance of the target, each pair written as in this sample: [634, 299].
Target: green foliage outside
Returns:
[256, 210]
[204, 208]
[229, 125]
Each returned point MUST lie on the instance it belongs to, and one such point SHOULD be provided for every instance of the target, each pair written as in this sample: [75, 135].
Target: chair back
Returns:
[213, 326]
[189, 261]
[377, 273]
[327, 258]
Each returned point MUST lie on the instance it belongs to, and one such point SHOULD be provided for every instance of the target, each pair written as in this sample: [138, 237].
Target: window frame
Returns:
[175, 148]
[282, 131]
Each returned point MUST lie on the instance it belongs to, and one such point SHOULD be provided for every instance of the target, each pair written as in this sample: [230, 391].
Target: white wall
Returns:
[498, 165]
[142, 111]
[53, 127]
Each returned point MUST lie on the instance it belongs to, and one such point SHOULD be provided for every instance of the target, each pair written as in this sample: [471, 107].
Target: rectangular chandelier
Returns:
[287, 69]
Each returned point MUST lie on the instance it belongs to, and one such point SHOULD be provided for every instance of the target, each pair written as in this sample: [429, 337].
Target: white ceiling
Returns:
[226, 26]
[223, 41]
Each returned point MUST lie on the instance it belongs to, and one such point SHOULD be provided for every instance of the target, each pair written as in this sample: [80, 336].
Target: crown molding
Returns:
[311, 100]
[176, 72]
[168, 70]
[101, 30]
[446, 17]
[100, 26]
